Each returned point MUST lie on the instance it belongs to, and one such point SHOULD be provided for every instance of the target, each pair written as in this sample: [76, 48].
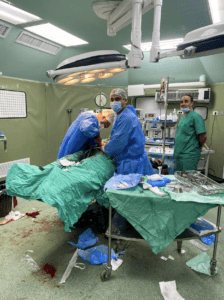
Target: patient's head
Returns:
[105, 117]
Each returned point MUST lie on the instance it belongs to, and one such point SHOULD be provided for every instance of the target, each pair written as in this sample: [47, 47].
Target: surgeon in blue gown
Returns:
[127, 144]
[84, 132]
[127, 147]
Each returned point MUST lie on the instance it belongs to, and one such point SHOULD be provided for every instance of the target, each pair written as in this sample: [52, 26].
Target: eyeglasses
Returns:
[116, 99]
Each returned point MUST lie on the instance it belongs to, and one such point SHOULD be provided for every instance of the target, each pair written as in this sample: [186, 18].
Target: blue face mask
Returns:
[116, 106]
[185, 109]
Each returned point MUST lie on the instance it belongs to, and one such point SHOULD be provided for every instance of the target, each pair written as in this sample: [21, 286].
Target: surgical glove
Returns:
[156, 191]
[146, 185]
[155, 177]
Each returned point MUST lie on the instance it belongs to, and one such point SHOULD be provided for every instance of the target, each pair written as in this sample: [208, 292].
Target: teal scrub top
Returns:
[187, 142]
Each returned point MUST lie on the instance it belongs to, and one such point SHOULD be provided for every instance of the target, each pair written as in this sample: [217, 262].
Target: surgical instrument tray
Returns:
[200, 183]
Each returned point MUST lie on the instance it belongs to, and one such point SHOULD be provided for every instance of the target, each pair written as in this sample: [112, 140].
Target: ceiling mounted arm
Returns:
[118, 13]
[155, 49]
[135, 55]
[185, 53]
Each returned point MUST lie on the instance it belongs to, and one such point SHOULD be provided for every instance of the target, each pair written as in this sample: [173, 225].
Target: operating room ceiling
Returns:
[78, 18]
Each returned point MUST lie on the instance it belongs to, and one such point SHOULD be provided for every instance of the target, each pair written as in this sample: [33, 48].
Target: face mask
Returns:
[185, 109]
[116, 106]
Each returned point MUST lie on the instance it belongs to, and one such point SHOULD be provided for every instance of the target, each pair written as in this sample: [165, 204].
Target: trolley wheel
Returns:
[105, 275]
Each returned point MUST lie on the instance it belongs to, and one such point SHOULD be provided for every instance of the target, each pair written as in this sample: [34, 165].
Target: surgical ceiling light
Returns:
[14, 15]
[105, 75]
[164, 45]
[56, 34]
[216, 10]
[88, 80]
[116, 70]
[204, 41]
[93, 65]
[71, 82]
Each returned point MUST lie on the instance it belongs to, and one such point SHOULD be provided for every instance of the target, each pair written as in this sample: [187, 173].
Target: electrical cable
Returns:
[209, 145]
[138, 48]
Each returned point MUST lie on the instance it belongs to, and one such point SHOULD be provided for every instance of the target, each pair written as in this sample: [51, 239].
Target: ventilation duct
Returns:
[199, 95]
[32, 41]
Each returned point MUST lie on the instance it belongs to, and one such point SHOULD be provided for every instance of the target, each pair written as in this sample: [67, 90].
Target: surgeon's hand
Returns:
[98, 140]
[158, 161]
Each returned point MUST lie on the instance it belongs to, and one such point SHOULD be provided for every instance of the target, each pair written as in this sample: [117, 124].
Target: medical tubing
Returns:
[109, 238]
[138, 49]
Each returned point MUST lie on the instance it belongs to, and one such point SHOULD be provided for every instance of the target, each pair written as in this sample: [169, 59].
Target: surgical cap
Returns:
[119, 92]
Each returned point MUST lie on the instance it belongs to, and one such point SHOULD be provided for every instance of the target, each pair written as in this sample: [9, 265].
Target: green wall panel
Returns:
[26, 137]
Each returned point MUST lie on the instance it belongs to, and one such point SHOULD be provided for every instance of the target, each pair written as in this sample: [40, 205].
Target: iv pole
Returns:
[166, 104]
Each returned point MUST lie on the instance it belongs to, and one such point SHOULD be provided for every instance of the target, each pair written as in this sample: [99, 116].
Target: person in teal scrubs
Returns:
[190, 137]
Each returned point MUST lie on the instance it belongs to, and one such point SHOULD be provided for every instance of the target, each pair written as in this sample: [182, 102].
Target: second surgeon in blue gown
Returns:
[127, 144]
[84, 132]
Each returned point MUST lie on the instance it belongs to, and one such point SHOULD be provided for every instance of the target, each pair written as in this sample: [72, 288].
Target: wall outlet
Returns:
[221, 113]
[179, 112]
[215, 113]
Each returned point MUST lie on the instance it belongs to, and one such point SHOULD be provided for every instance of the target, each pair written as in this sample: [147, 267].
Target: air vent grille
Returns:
[193, 93]
[199, 95]
[32, 41]
[4, 167]
[4, 30]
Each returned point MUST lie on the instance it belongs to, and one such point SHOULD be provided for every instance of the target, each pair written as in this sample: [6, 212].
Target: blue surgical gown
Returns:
[80, 134]
[127, 145]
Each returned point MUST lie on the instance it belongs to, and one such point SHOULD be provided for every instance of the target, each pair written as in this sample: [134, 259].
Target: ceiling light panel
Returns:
[164, 45]
[56, 34]
[217, 10]
[14, 15]
[85, 77]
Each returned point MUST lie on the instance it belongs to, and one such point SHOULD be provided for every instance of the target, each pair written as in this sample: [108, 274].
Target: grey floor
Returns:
[137, 278]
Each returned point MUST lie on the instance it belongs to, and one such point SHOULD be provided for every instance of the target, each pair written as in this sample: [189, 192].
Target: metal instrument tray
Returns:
[200, 183]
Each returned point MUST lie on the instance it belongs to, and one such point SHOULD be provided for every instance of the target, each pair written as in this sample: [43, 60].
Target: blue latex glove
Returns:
[86, 239]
